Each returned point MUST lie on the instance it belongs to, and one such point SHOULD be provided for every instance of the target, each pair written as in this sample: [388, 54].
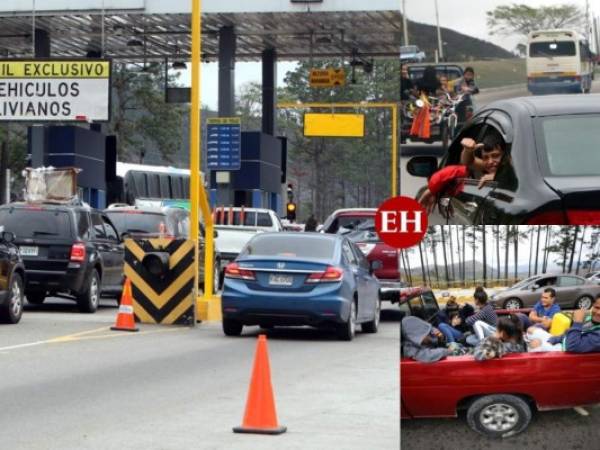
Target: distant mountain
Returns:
[459, 47]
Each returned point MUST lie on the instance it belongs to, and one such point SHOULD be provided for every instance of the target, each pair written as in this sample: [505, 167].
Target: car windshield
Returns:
[138, 222]
[562, 134]
[408, 49]
[551, 49]
[35, 222]
[301, 246]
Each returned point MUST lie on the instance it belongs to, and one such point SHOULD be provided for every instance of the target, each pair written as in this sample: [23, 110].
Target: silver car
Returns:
[571, 292]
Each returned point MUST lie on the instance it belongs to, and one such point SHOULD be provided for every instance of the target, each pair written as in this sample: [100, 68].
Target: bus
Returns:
[140, 181]
[558, 61]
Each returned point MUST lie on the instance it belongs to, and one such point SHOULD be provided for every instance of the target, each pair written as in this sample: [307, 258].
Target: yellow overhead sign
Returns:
[334, 125]
[329, 77]
[54, 69]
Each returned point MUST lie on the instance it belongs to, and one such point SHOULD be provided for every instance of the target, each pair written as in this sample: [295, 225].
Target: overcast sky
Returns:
[468, 16]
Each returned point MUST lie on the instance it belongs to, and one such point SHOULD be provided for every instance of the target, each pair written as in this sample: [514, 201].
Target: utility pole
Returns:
[587, 21]
[439, 33]
[404, 22]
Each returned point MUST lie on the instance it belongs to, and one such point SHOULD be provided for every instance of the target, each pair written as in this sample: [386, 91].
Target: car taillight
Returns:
[365, 248]
[572, 217]
[78, 252]
[233, 270]
[331, 275]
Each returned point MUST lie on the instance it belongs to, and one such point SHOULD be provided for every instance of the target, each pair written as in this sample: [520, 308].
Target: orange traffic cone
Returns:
[260, 416]
[125, 317]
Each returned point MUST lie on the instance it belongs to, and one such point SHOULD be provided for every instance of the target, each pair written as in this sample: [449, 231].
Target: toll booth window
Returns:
[98, 226]
[430, 304]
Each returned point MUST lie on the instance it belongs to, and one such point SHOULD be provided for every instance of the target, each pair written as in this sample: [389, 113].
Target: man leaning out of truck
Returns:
[583, 336]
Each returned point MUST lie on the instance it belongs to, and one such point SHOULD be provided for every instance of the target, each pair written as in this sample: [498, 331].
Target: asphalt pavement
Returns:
[548, 430]
[69, 383]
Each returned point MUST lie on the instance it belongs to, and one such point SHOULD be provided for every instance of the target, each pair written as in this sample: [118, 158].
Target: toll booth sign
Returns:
[55, 90]
[223, 146]
[334, 125]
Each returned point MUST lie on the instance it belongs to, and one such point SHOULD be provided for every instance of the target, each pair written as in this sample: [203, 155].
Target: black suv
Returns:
[12, 280]
[70, 250]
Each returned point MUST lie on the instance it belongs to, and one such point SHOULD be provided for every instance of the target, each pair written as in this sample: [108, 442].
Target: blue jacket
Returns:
[580, 338]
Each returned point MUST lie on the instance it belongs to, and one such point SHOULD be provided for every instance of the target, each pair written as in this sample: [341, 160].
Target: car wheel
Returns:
[36, 298]
[373, 325]
[232, 327]
[513, 303]
[13, 310]
[347, 330]
[584, 302]
[88, 301]
[499, 416]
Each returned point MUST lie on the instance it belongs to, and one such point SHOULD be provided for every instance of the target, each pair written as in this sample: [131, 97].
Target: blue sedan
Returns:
[321, 280]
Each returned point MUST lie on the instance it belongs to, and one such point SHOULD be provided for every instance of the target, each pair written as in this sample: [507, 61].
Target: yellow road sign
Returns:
[334, 125]
[329, 77]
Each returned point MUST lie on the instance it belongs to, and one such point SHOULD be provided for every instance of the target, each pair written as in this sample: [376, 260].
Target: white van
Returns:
[558, 61]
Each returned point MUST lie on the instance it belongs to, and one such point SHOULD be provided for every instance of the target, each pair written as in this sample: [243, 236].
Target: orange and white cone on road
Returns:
[125, 317]
[260, 416]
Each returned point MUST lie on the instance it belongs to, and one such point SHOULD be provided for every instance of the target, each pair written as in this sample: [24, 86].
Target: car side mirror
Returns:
[125, 235]
[7, 236]
[215, 234]
[535, 287]
[422, 166]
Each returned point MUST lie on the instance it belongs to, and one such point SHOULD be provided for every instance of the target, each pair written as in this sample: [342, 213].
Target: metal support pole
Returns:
[404, 22]
[208, 307]
[7, 188]
[439, 32]
[394, 150]
[195, 138]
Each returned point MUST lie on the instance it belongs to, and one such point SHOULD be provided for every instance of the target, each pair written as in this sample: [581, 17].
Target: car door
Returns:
[115, 253]
[568, 290]
[536, 289]
[356, 273]
[102, 246]
[371, 288]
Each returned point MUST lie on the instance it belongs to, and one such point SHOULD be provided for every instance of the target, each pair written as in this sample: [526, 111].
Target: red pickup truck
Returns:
[498, 396]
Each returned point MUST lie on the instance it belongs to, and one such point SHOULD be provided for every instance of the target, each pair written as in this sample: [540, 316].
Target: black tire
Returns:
[36, 298]
[12, 311]
[512, 303]
[499, 415]
[584, 302]
[373, 325]
[232, 327]
[88, 300]
[347, 330]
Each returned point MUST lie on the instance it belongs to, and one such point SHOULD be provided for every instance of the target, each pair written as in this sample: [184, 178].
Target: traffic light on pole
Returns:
[291, 211]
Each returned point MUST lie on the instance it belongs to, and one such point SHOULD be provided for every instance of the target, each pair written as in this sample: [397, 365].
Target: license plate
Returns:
[281, 280]
[28, 251]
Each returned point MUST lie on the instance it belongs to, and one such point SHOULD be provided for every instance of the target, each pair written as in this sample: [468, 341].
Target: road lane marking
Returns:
[83, 335]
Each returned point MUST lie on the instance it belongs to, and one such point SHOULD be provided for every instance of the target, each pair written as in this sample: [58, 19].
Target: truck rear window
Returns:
[32, 223]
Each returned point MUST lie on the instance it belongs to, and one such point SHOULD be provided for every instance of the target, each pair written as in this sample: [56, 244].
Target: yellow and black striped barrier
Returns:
[161, 271]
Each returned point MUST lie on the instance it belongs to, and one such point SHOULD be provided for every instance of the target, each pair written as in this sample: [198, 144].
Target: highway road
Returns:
[69, 383]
